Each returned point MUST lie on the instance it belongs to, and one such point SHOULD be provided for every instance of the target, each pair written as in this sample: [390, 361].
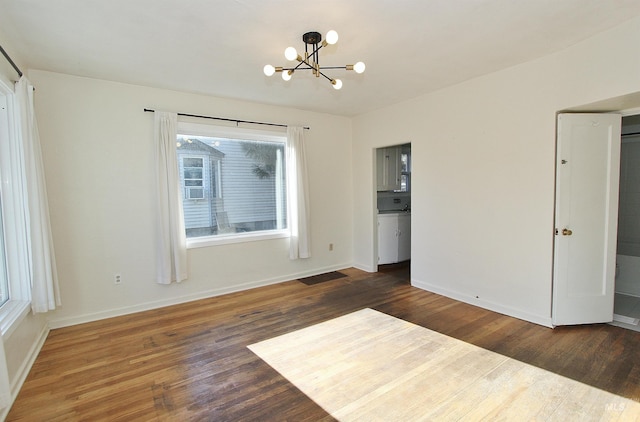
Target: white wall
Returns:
[629, 214]
[483, 172]
[627, 271]
[97, 148]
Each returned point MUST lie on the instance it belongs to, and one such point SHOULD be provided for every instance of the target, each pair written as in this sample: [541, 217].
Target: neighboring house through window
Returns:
[233, 182]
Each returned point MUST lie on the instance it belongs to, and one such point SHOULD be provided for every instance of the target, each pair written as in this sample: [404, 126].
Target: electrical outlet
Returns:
[330, 246]
[117, 279]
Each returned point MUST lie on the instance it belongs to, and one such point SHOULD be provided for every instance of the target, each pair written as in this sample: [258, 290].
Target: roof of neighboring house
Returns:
[195, 145]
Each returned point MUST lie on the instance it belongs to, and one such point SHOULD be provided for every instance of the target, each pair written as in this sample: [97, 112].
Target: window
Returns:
[233, 182]
[14, 245]
[193, 177]
[405, 172]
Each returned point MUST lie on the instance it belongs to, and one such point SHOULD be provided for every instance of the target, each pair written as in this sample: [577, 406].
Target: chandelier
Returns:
[313, 42]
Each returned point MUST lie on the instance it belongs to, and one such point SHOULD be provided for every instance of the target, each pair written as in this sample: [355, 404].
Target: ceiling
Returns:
[219, 47]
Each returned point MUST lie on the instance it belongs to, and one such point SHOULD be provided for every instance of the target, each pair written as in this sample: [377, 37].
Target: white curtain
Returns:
[45, 293]
[298, 200]
[171, 242]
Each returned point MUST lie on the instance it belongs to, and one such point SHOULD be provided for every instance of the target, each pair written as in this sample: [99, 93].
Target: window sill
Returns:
[11, 313]
[201, 242]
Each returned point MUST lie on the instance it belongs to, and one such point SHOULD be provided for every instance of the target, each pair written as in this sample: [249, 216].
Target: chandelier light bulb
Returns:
[290, 53]
[269, 70]
[331, 37]
[337, 84]
[359, 67]
[286, 75]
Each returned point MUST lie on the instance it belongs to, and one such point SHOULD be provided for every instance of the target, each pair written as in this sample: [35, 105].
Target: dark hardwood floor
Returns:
[190, 361]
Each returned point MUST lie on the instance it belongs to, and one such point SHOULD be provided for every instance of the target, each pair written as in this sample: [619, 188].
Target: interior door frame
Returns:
[374, 166]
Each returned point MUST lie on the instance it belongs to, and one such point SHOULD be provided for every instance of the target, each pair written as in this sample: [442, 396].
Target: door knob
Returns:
[566, 232]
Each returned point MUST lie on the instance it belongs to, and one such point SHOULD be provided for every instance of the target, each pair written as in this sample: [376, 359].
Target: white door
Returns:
[587, 183]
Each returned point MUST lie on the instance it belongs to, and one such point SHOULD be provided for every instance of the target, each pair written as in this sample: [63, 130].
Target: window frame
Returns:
[17, 263]
[240, 133]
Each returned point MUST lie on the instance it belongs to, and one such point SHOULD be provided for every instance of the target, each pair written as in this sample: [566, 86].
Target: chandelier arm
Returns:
[328, 78]
[296, 69]
[301, 63]
[311, 68]
[298, 66]
[315, 51]
[313, 55]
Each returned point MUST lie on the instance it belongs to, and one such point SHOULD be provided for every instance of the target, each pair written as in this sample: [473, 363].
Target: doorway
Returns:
[627, 284]
[393, 166]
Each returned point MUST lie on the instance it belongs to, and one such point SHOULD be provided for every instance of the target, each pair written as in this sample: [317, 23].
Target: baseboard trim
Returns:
[625, 319]
[492, 306]
[81, 319]
[366, 268]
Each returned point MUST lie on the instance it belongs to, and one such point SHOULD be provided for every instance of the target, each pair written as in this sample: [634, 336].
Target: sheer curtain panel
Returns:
[45, 293]
[298, 201]
[171, 242]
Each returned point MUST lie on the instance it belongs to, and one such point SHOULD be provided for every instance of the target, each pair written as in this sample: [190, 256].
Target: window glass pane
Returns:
[404, 183]
[404, 159]
[193, 162]
[191, 173]
[196, 193]
[242, 182]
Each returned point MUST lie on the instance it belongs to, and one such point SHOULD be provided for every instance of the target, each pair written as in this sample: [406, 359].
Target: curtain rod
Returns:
[225, 119]
[11, 62]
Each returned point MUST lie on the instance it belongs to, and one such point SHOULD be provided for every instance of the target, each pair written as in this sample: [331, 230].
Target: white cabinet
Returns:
[387, 238]
[389, 167]
[404, 237]
[394, 237]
